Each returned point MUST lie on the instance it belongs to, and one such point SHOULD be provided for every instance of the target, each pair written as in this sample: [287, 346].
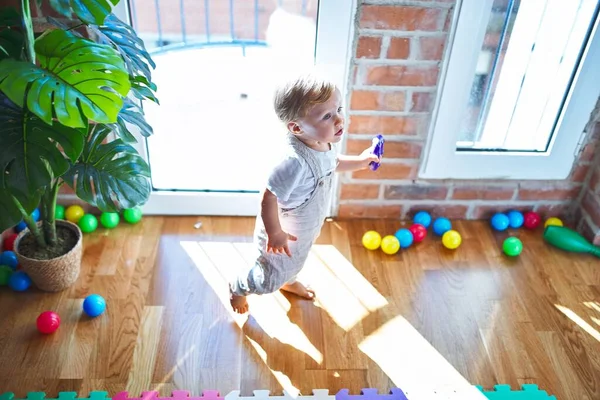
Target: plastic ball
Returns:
[515, 219]
[451, 239]
[109, 220]
[132, 215]
[531, 220]
[441, 226]
[371, 240]
[9, 258]
[74, 213]
[422, 218]
[19, 281]
[20, 227]
[419, 232]
[512, 246]
[9, 242]
[390, 244]
[405, 237]
[5, 274]
[48, 322]
[36, 215]
[500, 222]
[553, 221]
[59, 212]
[88, 223]
[94, 305]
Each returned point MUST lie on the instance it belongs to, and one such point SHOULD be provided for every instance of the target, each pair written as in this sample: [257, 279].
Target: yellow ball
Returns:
[390, 244]
[451, 239]
[371, 240]
[74, 213]
[553, 221]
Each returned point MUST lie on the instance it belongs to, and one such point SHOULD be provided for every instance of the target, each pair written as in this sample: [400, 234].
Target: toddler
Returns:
[296, 199]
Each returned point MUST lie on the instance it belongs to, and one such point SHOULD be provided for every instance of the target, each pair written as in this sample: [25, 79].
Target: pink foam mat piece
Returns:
[176, 395]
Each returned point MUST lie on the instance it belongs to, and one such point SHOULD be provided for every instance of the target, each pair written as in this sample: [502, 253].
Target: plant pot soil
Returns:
[52, 269]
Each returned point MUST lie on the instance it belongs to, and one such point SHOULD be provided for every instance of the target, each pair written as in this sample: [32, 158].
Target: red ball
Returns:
[531, 220]
[419, 232]
[48, 322]
[9, 242]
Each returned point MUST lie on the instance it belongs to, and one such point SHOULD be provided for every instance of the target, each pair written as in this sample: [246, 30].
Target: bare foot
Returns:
[300, 290]
[238, 303]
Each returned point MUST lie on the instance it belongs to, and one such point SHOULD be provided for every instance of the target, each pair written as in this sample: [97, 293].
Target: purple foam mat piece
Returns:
[371, 394]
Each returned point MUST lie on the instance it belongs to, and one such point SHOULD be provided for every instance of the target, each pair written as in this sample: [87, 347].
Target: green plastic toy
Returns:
[132, 215]
[512, 246]
[5, 273]
[569, 240]
[109, 220]
[88, 223]
[59, 212]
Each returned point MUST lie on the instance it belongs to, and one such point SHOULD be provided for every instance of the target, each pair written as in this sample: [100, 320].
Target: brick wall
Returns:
[398, 51]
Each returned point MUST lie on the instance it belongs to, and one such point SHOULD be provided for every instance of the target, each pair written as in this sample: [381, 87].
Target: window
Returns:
[517, 90]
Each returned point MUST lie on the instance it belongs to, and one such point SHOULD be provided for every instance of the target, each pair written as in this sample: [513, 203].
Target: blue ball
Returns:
[405, 237]
[94, 305]
[9, 258]
[441, 226]
[423, 218]
[20, 227]
[500, 222]
[515, 219]
[19, 281]
[36, 215]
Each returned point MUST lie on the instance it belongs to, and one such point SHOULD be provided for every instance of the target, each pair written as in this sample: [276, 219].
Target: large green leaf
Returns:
[9, 212]
[11, 35]
[29, 148]
[89, 11]
[133, 114]
[78, 79]
[143, 89]
[111, 176]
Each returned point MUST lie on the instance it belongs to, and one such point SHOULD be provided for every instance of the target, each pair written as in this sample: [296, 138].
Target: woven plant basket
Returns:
[57, 273]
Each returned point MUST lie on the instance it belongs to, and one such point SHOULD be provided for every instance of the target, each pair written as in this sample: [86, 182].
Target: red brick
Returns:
[399, 48]
[367, 124]
[456, 211]
[485, 211]
[591, 205]
[552, 210]
[378, 101]
[422, 101]
[402, 75]
[416, 192]
[368, 47]
[483, 192]
[389, 171]
[594, 184]
[596, 134]
[589, 232]
[579, 173]
[400, 18]
[588, 151]
[432, 48]
[359, 192]
[548, 193]
[369, 211]
[448, 21]
[391, 150]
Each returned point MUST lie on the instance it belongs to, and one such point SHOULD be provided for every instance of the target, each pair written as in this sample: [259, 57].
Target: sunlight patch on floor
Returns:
[579, 321]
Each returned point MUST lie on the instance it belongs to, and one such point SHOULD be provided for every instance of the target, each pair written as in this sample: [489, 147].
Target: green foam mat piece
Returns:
[527, 392]
[95, 395]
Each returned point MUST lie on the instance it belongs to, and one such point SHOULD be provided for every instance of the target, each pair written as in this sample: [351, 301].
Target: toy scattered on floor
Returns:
[419, 232]
[88, 223]
[569, 240]
[422, 218]
[390, 244]
[377, 145]
[371, 240]
[500, 222]
[109, 220]
[59, 212]
[74, 213]
[94, 305]
[405, 238]
[19, 281]
[441, 225]
[515, 219]
[48, 322]
[531, 220]
[9, 258]
[5, 274]
[9, 242]
[451, 239]
[512, 246]
[553, 221]
[132, 215]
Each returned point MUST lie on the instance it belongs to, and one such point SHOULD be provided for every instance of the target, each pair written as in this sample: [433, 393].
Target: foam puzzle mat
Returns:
[500, 392]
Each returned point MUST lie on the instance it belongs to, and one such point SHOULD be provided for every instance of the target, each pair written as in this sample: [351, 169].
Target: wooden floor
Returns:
[425, 318]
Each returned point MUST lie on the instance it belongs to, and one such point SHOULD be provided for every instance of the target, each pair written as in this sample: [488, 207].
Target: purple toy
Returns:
[371, 394]
[377, 150]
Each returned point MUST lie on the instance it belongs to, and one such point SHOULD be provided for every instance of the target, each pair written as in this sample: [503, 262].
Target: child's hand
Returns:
[368, 157]
[278, 243]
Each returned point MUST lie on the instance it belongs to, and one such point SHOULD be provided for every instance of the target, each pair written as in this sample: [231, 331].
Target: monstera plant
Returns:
[70, 100]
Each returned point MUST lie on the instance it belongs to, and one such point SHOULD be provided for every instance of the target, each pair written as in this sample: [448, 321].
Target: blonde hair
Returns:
[296, 97]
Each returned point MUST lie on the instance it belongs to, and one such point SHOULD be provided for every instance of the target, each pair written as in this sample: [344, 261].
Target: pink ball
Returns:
[48, 322]
[419, 232]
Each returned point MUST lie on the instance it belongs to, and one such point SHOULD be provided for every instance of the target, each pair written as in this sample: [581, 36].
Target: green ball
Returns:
[5, 273]
[88, 223]
[109, 220]
[512, 246]
[59, 212]
[132, 215]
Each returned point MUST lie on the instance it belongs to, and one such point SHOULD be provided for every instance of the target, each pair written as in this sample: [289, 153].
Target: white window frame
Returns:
[443, 161]
[335, 33]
